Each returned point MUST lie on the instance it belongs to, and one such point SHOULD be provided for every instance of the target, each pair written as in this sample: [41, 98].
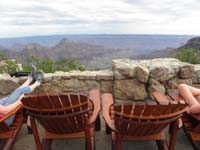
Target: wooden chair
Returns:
[191, 122]
[142, 121]
[9, 133]
[63, 116]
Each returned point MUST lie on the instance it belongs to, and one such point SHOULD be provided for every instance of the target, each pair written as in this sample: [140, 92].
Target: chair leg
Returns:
[162, 144]
[116, 142]
[196, 145]
[35, 134]
[174, 131]
[8, 144]
[46, 144]
[90, 139]
[108, 130]
[98, 124]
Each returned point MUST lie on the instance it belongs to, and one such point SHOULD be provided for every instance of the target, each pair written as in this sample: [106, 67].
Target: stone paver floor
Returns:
[103, 142]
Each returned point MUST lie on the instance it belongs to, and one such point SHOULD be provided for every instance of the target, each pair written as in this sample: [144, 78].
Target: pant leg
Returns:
[14, 96]
[3, 100]
[10, 120]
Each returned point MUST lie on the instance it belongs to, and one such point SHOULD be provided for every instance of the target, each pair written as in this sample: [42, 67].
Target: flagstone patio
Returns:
[25, 141]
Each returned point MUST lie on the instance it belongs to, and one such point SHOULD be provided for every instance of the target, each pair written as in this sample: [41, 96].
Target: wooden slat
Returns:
[55, 100]
[160, 97]
[75, 100]
[65, 100]
[150, 108]
[161, 108]
[175, 96]
[139, 107]
[44, 102]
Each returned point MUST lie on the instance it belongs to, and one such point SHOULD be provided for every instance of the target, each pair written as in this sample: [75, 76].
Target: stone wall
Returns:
[127, 80]
[58, 82]
[137, 79]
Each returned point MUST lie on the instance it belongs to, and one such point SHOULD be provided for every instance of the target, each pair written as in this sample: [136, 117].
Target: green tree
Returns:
[2, 56]
[50, 66]
[7, 65]
[188, 54]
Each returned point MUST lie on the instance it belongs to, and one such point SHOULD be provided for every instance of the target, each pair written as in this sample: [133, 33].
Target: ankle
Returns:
[37, 83]
[29, 80]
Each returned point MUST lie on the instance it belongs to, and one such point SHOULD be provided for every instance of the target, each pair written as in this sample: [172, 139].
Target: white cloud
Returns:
[30, 17]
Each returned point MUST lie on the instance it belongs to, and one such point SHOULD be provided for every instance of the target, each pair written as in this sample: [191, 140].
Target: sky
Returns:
[20, 18]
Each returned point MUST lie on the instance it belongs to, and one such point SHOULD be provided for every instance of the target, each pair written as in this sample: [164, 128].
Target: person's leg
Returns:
[15, 98]
[3, 100]
[28, 81]
[195, 91]
[34, 85]
[187, 92]
[198, 98]
[10, 120]
[23, 89]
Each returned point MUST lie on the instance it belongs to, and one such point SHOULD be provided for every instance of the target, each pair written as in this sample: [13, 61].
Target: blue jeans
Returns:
[13, 97]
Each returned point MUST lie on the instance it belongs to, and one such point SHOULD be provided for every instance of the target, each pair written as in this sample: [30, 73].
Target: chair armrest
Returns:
[107, 101]
[95, 97]
[160, 97]
[12, 112]
[175, 96]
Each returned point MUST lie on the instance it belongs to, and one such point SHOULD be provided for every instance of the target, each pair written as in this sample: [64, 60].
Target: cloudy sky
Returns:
[47, 17]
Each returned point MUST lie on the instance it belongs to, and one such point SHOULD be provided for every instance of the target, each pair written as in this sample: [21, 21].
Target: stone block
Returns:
[87, 75]
[142, 73]
[105, 75]
[106, 86]
[72, 85]
[129, 89]
[173, 83]
[186, 71]
[7, 86]
[124, 69]
[155, 85]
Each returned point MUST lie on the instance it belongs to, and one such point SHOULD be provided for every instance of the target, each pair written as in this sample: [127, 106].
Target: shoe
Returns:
[33, 72]
[39, 76]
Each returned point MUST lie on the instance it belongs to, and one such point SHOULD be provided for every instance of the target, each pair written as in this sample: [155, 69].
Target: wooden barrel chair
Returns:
[191, 122]
[63, 116]
[142, 121]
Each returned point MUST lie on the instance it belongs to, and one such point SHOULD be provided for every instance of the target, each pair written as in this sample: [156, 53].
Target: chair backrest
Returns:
[145, 118]
[61, 114]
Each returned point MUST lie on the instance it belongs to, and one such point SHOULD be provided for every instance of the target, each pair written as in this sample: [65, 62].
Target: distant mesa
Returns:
[193, 43]
[95, 51]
